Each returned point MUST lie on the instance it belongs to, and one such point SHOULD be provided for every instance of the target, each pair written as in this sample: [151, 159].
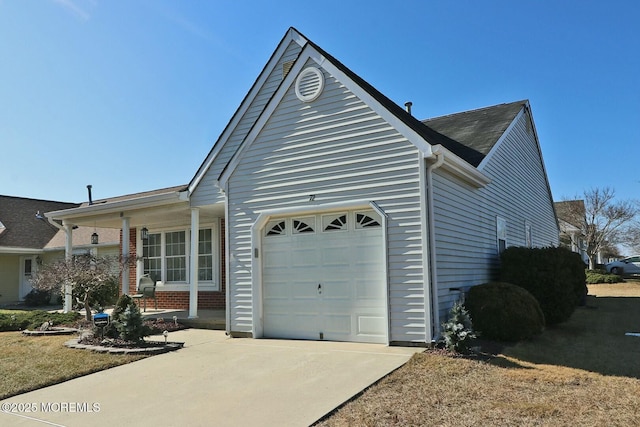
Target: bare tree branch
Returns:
[86, 273]
[603, 220]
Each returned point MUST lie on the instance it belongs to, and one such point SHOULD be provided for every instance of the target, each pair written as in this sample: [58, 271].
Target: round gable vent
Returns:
[309, 84]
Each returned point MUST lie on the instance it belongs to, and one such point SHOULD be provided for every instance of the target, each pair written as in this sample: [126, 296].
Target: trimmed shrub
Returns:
[554, 276]
[504, 312]
[601, 276]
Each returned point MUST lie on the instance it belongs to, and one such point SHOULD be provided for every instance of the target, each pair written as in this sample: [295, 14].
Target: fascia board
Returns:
[568, 227]
[292, 35]
[461, 168]
[155, 200]
[16, 250]
[309, 52]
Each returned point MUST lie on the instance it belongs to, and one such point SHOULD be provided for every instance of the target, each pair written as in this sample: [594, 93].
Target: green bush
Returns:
[554, 276]
[21, 320]
[504, 312]
[601, 276]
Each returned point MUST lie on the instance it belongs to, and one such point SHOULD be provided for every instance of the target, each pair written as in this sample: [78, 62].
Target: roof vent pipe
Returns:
[89, 191]
[407, 106]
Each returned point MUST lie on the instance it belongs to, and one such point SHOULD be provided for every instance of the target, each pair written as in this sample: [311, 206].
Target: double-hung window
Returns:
[176, 256]
[152, 255]
[166, 256]
[205, 255]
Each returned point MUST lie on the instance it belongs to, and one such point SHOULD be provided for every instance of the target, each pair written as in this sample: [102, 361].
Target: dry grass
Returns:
[584, 372]
[625, 289]
[29, 363]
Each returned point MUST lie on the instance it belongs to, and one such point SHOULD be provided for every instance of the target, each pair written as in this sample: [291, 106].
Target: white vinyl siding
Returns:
[335, 149]
[465, 218]
[207, 192]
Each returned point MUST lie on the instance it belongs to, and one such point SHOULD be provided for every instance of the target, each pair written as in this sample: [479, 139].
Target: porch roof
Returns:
[164, 207]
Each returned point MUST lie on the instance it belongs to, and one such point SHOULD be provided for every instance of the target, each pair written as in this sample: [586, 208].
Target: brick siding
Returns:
[180, 299]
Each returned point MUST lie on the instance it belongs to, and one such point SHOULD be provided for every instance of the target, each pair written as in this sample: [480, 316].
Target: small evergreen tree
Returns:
[457, 332]
[130, 325]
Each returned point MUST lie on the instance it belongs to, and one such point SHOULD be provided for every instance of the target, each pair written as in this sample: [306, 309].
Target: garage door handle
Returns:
[319, 288]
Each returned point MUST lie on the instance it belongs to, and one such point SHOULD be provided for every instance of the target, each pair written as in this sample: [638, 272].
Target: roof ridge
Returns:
[475, 110]
[38, 200]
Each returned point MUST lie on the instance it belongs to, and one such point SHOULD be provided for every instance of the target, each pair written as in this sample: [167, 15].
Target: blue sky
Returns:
[131, 95]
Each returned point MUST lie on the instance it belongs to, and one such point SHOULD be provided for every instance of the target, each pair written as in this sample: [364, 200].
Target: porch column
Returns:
[68, 254]
[193, 268]
[125, 255]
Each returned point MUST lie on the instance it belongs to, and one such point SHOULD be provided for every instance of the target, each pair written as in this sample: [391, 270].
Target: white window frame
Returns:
[501, 233]
[203, 285]
[528, 234]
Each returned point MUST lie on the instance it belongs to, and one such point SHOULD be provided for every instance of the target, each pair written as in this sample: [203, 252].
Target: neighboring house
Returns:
[571, 217]
[572, 220]
[28, 239]
[326, 211]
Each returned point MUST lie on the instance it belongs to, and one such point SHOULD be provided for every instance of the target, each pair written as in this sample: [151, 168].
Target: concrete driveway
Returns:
[213, 381]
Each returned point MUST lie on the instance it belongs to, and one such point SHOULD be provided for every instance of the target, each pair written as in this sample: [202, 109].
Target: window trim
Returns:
[501, 233]
[528, 234]
[203, 285]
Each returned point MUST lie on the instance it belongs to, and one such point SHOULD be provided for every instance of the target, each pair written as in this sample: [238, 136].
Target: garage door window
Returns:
[366, 220]
[276, 228]
[304, 225]
[334, 222]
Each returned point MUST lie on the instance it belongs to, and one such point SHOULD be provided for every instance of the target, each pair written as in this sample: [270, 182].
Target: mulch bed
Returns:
[88, 341]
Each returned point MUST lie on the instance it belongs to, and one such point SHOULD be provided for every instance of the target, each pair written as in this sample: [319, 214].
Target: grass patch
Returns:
[583, 372]
[29, 363]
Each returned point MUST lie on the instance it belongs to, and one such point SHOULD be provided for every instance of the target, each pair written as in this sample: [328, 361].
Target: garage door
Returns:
[324, 277]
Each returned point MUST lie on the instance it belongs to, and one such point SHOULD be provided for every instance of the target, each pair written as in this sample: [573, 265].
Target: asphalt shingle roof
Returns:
[22, 229]
[476, 130]
[469, 135]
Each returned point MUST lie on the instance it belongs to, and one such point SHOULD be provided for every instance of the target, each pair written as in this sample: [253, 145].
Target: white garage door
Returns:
[324, 278]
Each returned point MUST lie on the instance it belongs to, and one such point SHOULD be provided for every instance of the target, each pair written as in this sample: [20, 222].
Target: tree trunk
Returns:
[87, 307]
[592, 262]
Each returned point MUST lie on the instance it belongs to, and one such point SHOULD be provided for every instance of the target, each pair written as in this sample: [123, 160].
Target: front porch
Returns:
[180, 246]
[207, 318]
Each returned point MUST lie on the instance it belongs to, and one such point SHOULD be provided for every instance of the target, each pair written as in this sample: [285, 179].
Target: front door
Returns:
[27, 265]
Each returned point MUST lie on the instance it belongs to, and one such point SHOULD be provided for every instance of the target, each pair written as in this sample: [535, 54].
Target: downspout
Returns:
[227, 255]
[433, 273]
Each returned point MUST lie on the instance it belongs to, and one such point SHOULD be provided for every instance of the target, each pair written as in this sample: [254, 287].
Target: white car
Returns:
[625, 266]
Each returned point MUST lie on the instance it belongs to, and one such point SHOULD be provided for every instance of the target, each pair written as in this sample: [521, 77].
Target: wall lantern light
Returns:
[144, 233]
